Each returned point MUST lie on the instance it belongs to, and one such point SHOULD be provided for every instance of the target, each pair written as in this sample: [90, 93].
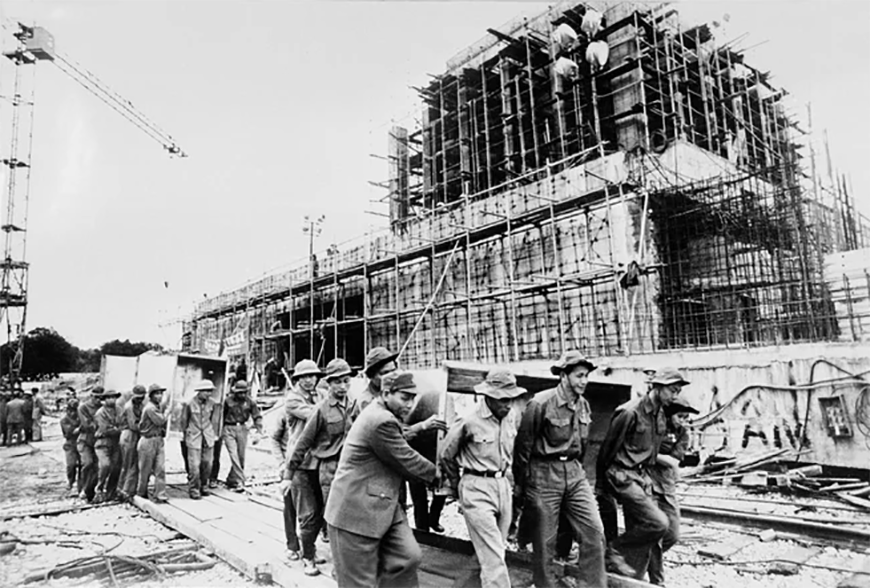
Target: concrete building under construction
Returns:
[601, 177]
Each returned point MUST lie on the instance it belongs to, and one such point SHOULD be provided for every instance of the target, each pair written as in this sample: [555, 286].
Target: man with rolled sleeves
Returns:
[302, 494]
[239, 408]
[151, 448]
[482, 444]
[198, 422]
[130, 441]
[107, 446]
[323, 437]
[630, 448]
[87, 438]
[548, 468]
[371, 541]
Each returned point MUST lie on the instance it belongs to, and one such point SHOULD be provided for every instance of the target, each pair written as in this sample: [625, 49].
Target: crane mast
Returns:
[35, 44]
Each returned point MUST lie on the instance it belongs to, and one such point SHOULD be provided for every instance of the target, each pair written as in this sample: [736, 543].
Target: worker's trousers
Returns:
[109, 459]
[385, 562]
[198, 468]
[73, 465]
[235, 438]
[325, 475]
[36, 433]
[129, 461]
[88, 472]
[290, 522]
[555, 486]
[152, 459]
[16, 430]
[670, 506]
[426, 516]
[487, 505]
[645, 523]
[308, 500]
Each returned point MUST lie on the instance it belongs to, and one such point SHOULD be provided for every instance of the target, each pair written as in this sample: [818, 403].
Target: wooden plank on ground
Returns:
[228, 495]
[250, 559]
[204, 510]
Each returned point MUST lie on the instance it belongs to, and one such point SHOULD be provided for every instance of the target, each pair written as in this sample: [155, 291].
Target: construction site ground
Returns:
[243, 534]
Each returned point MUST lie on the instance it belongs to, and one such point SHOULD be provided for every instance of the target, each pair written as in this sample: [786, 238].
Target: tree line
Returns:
[47, 353]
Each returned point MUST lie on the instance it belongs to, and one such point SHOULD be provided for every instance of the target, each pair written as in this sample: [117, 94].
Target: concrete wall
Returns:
[727, 377]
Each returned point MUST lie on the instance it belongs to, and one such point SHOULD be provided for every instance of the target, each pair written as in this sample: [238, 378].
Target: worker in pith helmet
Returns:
[302, 498]
[69, 426]
[239, 408]
[629, 449]
[322, 440]
[198, 417]
[131, 415]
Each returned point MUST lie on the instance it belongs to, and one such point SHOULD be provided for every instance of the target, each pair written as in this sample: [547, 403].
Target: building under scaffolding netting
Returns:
[598, 177]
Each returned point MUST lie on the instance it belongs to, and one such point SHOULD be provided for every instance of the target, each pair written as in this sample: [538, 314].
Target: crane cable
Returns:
[123, 107]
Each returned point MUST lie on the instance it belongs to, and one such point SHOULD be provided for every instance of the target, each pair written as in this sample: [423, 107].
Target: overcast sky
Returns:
[279, 105]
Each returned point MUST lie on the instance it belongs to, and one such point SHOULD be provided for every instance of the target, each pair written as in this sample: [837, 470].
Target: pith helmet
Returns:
[206, 385]
[570, 359]
[153, 388]
[668, 376]
[399, 381]
[240, 386]
[500, 384]
[306, 367]
[337, 368]
[376, 358]
[139, 390]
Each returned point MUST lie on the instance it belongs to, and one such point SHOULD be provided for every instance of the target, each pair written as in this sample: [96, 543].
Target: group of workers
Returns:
[514, 461]
[112, 451]
[21, 413]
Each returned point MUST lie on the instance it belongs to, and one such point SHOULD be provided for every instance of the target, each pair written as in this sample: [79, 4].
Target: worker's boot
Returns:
[309, 568]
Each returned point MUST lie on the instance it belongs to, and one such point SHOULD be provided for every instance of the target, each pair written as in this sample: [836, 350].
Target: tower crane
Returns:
[36, 44]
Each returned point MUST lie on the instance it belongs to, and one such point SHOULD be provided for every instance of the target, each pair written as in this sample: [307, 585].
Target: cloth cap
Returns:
[306, 367]
[667, 376]
[376, 358]
[338, 368]
[570, 359]
[649, 370]
[679, 405]
[139, 390]
[500, 384]
[28, 392]
[97, 391]
[203, 385]
[155, 388]
[399, 381]
[240, 386]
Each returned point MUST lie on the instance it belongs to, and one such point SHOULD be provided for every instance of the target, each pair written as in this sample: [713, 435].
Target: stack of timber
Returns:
[847, 276]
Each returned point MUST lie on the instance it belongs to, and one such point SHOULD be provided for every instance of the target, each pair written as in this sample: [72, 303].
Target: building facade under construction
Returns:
[600, 177]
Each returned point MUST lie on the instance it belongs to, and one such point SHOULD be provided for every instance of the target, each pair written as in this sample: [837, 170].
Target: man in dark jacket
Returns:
[371, 542]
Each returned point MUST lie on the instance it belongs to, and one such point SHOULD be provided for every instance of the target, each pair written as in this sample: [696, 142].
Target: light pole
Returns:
[313, 228]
